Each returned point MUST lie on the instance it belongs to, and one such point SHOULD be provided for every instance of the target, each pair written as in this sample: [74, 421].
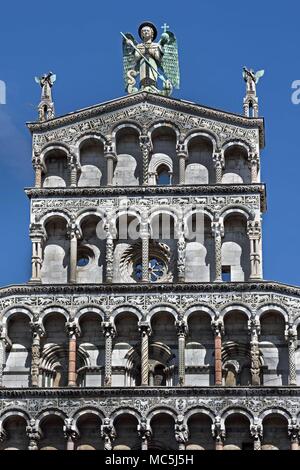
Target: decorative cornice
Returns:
[111, 392]
[172, 103]
[208, 287]
[216, 189]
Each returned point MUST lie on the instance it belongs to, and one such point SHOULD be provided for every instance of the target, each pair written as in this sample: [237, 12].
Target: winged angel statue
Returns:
[150, 60]
[46, 82]
[251, 78]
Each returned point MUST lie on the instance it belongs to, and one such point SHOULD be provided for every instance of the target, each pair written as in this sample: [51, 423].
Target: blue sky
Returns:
[81, 43]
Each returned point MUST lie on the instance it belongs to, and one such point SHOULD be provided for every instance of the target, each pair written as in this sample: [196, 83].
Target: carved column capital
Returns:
[182, 327]
[108, 329]
[181, 432]
[145, 328]
[108, 433]
[34, 434]
[73, 329]
[254, 328]
[218, 430]
[145, 432]
[217, 325]
[217, 228]
[70, 430]
[254, 229]
[256, 431]
[73, 231]
[294, 430]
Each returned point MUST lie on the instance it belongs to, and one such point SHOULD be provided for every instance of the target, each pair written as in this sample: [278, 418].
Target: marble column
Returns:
[293, 431]
[182, 156]
[145, 330]
[218, 159]
[38, 168]
[218, 328]
[256, 432]
[73, 233]
[291, 337]
[109, 334]
[73, 332]
[145, 433]
[254, 166]
[109, 255]
[254, 234]
[146, 147]
[108, 433]
[218, 432]
[145, 235]
[181, 249]
[181, 334]
[218, 232]
[37, 333]
[4, 343]
[254, 330]
[37, 236]
[111, 157]
[34, 435]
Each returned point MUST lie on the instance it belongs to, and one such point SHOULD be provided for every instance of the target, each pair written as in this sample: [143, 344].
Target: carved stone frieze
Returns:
[146, 108]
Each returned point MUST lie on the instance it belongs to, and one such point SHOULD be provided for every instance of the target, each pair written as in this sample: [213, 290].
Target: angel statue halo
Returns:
[150, 61]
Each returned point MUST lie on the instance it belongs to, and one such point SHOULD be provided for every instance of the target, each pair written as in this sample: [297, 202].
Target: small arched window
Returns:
[163, 176]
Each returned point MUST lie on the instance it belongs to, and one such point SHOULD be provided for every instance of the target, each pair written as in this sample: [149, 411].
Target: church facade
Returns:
[147, 323]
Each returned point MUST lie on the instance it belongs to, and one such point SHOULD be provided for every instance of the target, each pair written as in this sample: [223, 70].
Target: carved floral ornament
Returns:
[146, 115]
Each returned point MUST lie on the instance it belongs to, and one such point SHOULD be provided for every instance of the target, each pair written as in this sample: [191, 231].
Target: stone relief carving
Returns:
[69, 133]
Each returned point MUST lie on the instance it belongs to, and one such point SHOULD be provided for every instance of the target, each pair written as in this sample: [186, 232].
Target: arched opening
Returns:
[91, 251]
[199, 251]
[92, 164]
[57, 170]
[236, 356]
[54, 352]
[126, 433]
[52, 433]
[89, 426]
[16, 372]
[163, 433]
[129, 158]
[126, 351]
[15, 434]
[164, 156]
[275, 433]
[92, 343]
[237, 427]
[127, 249]
[235, 249]
[200, 435]
[163, 248]
[274, 348]
[56, 252]
[164, 177]
[163, 350]
[237, 168]
[200, 167]
[199, 352]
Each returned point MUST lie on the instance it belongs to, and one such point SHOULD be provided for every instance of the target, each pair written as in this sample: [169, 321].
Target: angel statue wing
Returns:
[169, 62]
[52, 77]
[259, 74]
[129, 61]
